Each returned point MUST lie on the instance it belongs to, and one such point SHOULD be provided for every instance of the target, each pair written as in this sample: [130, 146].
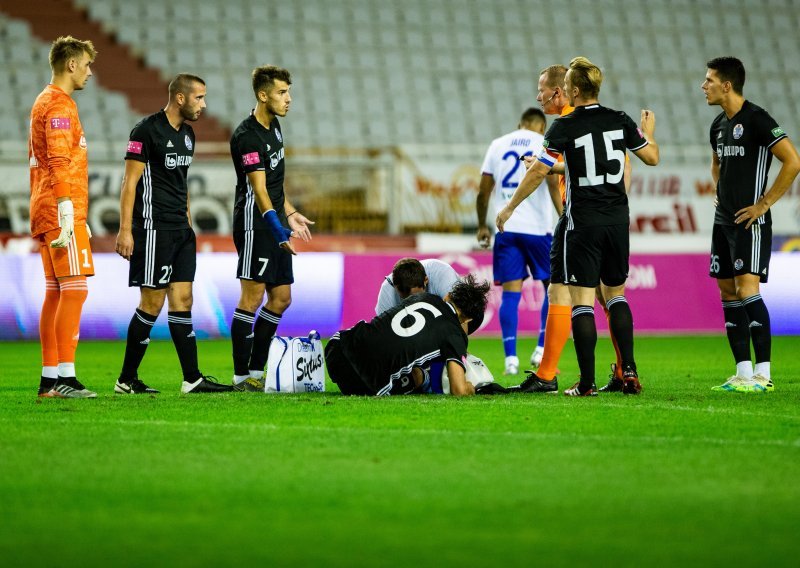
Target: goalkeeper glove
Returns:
[490, 388]
[278, 231]
[66, 220]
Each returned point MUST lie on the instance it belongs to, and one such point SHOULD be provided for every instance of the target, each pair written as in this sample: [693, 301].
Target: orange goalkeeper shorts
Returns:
[73, 260]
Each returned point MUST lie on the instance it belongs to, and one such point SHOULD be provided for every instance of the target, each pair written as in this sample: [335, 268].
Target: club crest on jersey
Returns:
[738, 130]
[738, 264]
[278, 135]
[188, 142]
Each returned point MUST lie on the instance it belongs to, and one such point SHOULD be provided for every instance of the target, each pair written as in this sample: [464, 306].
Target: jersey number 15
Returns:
[592, 178]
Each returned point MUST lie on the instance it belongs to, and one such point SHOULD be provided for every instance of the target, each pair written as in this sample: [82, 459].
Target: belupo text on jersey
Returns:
[729, 151]
[172, 161]
[275, 158]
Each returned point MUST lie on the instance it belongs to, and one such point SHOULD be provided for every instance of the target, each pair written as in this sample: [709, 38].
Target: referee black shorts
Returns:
[162, 256]
[736, 251]
[597, 253]
[261, 259]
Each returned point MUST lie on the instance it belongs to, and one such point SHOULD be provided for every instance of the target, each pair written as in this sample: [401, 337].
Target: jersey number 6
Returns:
[419, 320]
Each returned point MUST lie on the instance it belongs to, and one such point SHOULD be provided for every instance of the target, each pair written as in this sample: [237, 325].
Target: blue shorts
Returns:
[517, 255]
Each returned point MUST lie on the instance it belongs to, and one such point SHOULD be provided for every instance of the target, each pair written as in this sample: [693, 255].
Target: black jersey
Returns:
[421, 329]
[742, 144]
[593, 140]
[162, 192]
[254, 148]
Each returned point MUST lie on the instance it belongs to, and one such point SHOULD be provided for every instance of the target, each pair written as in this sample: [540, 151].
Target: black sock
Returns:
[737, 328]
[760, 330]
[46, 384]
[138, 339]
[584, 334]
[620, 320]
[182, 332]
[242, 340]
[266, 324]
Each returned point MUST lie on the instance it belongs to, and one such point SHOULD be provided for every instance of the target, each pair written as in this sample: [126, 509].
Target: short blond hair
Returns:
[67, 47]
[554, 75]
[586, 76]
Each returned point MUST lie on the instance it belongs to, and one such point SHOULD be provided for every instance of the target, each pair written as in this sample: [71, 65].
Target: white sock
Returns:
[50, 372]
[256, 374]
[66, 370]
[763, 370]
[744, 369]
[239, 379]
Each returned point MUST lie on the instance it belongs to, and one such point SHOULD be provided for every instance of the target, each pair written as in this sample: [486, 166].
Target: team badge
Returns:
[278, 135]
[738, 130]
[188, 142]
[738, 264]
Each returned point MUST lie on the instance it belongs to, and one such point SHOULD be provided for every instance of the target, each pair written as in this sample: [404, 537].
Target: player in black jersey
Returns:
[261, 216]
[156, 236]
[593, 140]
[743, 138]
[384, 356]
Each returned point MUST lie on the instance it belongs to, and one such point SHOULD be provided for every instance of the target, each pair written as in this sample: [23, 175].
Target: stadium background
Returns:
[394, 104]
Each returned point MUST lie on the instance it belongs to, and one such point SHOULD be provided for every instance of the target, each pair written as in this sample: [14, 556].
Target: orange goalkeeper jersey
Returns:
[57, 158]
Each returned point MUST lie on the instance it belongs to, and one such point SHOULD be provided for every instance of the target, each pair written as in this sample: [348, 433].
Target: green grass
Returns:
[678, 476]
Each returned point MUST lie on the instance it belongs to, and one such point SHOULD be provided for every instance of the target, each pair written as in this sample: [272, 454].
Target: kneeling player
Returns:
[377, 357]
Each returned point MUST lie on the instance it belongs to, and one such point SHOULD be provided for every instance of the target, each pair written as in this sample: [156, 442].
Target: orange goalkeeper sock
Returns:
[556, 333]
[47, 330]
[68, 317]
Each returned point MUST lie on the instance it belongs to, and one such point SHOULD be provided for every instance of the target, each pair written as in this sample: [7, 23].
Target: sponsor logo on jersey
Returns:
[275, 158]
[59, 124]
[778, 132]
[572, 278]
[188, 142]
[250, 159]
[278, 135]
[730, 151]
[764, 272]
[134, 147]
[170, 144]
[738, 130]
[738, 264]
[172, 161]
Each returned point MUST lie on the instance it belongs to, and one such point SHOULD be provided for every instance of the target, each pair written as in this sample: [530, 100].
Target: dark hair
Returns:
[408, 273]
[67, 47]
[183, 83]
[264, 77]
[470, 297]
[729, 69]
[532, 115]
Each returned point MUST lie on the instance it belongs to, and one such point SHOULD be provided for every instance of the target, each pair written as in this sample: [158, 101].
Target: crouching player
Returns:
[377, 357]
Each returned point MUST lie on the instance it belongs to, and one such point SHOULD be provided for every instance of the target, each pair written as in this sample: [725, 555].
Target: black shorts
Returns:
[736, 250]
[342, 372]
[597, 253]
[557, 270]
[161, 256]
[261, 259]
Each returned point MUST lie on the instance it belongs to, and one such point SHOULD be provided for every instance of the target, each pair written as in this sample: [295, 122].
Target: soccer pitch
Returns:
[679, 476]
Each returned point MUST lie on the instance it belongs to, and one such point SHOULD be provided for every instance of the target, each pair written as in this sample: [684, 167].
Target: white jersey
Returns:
[534, 216]
[441, 277]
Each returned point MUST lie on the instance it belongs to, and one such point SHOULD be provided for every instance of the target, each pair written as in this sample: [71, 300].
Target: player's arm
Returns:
[127, 195]
[298, 222]
[58, 139]
[533, 178]
[386, 297]
[459, 386]
[649, 153]
[790, 166]
[715, 168]
[626, 173]
[485, 188]
[258, 181]
[555, 194]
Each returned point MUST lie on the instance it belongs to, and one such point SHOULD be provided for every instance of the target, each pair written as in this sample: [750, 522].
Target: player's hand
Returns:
[750, 214]
[300, 224]
[648, 123]
[527, 161]
[484, 236]
[502, 217]
[280, 233]
[124, 246]
[66, 220]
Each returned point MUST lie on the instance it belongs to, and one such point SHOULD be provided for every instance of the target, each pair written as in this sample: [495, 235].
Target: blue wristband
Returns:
[278, 231]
